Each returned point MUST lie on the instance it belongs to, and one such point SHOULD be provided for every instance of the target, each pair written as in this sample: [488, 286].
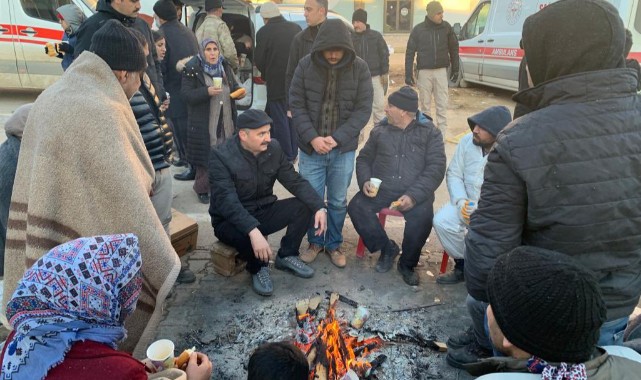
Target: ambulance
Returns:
[489, 40]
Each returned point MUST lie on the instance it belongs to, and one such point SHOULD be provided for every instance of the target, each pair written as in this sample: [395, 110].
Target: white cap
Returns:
[269, 10]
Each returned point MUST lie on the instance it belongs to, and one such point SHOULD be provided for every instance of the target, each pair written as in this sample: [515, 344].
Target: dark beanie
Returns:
[573, 36]
[433, 8]
[405, 98]
[546, 304]
[166, 10]
[213, 4]
[360, 15]
[492, 119]
[118, 47]
[253, 119]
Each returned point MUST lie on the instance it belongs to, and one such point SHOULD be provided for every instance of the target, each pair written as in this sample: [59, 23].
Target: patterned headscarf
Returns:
[213, 70]
[80, 290]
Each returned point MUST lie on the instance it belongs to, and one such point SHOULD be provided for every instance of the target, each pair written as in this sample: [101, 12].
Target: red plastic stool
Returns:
[444, 261]
[382, 215]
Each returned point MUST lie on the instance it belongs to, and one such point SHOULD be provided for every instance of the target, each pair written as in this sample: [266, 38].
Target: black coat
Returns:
[104, 13]
[300, 47]
[567, 177]
[155, 132]
[241, 183]
[409, 161]
[195, 94]
[181, 43]
[273, 42]
[435, 47]
[354, 93]
[371, 46]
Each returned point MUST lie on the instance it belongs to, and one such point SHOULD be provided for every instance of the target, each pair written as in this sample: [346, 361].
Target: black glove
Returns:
[409, 81]
[454, 77]
[64, 48]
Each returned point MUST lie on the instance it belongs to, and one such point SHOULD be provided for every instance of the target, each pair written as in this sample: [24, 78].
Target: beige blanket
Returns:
[84, 170]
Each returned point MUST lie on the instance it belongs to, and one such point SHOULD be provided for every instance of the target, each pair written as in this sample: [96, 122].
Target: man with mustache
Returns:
[244, 209]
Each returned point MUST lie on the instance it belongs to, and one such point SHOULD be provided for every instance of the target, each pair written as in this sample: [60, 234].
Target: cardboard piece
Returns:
[184, 232]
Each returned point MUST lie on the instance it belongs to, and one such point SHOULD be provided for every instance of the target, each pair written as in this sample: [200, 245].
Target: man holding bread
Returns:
[406, 154]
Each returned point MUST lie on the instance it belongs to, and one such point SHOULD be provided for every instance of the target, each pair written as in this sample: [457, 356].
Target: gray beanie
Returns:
[433, 8]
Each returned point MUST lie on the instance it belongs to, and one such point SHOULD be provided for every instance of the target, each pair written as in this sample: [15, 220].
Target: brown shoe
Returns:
[338, 258]
[310, 254]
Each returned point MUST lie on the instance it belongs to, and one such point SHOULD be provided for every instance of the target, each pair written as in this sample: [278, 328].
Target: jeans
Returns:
[290, 213]
[612, 332]
[162, 196]
[334, 172]
[282, 130]
[477, 310]
[418, 224]
[9, 151]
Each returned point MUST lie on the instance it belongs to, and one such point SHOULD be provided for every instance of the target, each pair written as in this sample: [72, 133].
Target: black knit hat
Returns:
[360, 15]
[492, 119]
[213, 4]
[166, 10]
[118, 47]
[405, 98]
[253, 119]
[546, 304]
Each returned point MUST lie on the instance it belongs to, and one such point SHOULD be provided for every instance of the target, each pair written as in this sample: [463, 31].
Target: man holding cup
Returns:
[401, 166]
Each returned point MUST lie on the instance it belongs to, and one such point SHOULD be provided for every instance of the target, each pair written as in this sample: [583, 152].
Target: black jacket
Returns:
[155, 132]
[371, 46]
[241, 183]
[354, 92]
[435, 47]
[181, 43]
[301, 46]
[195, 94]
[273, 42]
[409, 161]
[104, 13]
[567, 177]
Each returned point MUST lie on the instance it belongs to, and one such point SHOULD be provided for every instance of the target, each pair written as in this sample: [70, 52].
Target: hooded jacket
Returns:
[435, 47]
[371, 46]
[74, 17]
[354, 94]
[566, 176]
[300, 47]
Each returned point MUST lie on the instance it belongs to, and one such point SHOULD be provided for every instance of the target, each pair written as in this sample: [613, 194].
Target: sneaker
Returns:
[203, 198]
[461, 339]
[337, 257]
[311, 253]
[454, 277]
[294, 265]
[469, 354]
[262, 282]
[386, 259]
[409, 275]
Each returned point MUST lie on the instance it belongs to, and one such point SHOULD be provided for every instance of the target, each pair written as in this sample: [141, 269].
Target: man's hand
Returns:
[385, 83]
[454, 77]
[405, 203]
[369, 189]
[199, 367]
[409, 80]
[289, 114]
[320, 145]
[330, 140]
[320, 222]
[163, 107]
[467, 207]
[261, 247]
[213, 91]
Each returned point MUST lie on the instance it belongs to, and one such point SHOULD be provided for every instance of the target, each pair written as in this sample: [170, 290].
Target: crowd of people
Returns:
[543, 220]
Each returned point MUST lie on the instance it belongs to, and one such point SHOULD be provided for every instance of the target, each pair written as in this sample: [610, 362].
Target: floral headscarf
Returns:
[80, 290]
[213, 70]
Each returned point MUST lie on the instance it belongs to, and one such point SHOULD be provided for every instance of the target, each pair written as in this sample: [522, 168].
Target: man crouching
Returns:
[244, 209]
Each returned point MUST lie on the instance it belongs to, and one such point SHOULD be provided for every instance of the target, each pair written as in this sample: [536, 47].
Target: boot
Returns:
[409, 275]
[469, 354]
[187, 175]
[461, 339]
[386, 259]
[457, 275]
[186, 275]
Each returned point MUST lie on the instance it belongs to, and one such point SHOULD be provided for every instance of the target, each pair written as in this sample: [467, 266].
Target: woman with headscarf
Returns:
[68, 314]
[210, 109]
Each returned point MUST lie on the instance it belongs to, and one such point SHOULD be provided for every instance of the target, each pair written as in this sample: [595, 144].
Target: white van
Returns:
[489, 40]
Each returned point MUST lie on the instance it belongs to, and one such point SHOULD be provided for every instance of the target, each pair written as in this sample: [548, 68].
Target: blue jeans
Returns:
[477, 311]
[332, 171]
[612, 332]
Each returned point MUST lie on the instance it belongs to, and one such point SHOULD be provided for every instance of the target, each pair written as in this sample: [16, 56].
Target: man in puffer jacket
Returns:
[331, 101]
[409, 157]
[566, 176]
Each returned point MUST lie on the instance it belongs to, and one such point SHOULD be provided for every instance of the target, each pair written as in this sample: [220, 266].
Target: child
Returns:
[71, 17]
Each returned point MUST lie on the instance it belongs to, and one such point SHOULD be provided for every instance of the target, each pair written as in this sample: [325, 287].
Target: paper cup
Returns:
[161, 354]
[376, 183]
[218, 82]
[360, 317]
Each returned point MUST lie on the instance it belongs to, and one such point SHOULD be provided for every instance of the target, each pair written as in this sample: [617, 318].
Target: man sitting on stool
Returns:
[244, 209]
[409, 158]
[464, 180]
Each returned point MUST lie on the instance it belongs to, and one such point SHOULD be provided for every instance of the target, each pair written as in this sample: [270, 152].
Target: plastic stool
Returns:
[444, 261]
[382, 215]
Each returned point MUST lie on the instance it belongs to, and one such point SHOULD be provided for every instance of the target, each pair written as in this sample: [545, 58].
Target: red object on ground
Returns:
[382, 215]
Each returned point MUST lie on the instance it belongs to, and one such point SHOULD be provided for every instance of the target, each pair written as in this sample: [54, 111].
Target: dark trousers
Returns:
[290, 213]
[283, 130]
[180, 134]
[418, 224]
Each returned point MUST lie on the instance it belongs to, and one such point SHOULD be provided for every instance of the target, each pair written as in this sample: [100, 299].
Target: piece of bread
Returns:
[394, 205]
[238, 93]
[184, 357]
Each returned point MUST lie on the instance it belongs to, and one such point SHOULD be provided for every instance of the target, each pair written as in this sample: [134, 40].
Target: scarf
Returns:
[563, 372]
[80, 290]
[211, 69]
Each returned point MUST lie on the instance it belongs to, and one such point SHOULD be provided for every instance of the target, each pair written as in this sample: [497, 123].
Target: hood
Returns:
[573, 36]
[333, 34]
[17, 121]
[104, 6]
[73, 16]
[492, 119]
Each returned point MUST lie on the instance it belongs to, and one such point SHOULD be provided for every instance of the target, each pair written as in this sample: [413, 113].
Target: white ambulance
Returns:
[489, 40]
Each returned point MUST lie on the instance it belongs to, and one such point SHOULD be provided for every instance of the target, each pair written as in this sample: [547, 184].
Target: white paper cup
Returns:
[218, 82]
[376, 183]
[161, 354]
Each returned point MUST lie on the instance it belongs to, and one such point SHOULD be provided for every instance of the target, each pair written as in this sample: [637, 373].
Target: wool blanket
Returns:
[83, 170]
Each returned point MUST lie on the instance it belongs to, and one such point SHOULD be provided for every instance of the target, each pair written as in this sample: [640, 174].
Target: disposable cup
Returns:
[376, 183]
[161, 354]
[218, 82]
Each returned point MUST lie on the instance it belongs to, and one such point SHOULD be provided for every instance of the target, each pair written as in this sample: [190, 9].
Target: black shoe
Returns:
[186, 276]
[187, 175]
[180, 163]
[409, 275]
[455, 277]
[386, 259]
[461, 339]
[203, 198]
[469, 354]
